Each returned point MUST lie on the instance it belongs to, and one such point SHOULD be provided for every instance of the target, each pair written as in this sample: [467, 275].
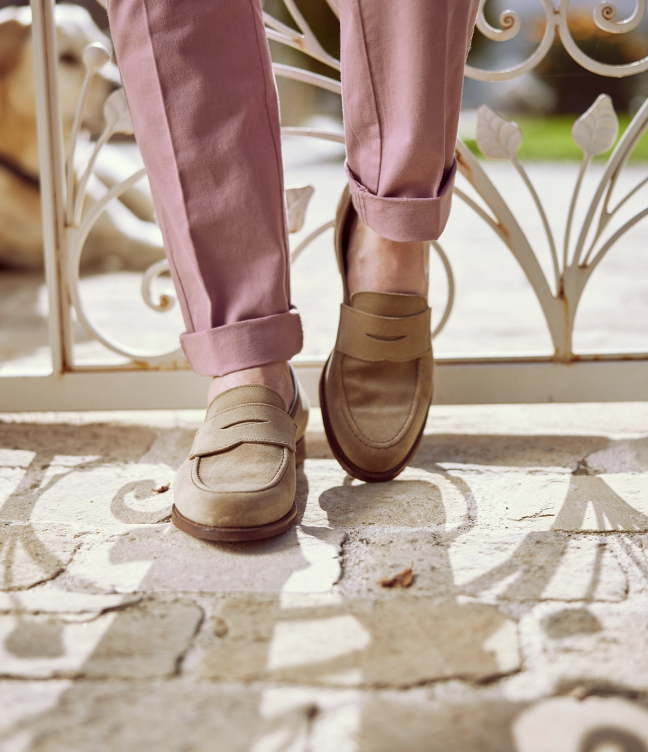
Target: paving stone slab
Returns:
[496, 497]
[84, 442]
[91, 475]
[118, 716]
[93, 498]
[487, 564]
[624, 456]
[602, 647]
[31, 554]
[515, 500]
[359, 642]
[15, 458]
[536, 566]
[408, 721]
[495, 449]
[24, 705]
[417, 498]
[616, 421]
[564, 724]
[176, 716]
[558, 501]
[93, 490]
[160, 558]
[56, 601]
[605, 502]
[10, 478]
[371, 555]
[502, 498]
[138, 641]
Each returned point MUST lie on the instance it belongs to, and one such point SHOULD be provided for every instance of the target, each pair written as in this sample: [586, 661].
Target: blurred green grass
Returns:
[549, 139]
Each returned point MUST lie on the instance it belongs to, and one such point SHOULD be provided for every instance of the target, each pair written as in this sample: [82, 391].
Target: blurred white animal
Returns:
[126, 230]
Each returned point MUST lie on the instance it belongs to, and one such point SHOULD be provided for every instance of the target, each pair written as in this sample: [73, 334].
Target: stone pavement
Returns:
[526, 626]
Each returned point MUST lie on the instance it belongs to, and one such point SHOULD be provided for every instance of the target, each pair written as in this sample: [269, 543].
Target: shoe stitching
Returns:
[363, 474]
[245, 420]
[270, 484]
[402, 431]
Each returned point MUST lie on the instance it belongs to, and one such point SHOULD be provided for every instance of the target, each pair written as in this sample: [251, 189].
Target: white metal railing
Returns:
[152, 379]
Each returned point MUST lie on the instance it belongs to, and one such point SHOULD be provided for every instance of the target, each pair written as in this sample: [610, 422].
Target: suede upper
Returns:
[241, 469]
[377, 385]
[377, 408]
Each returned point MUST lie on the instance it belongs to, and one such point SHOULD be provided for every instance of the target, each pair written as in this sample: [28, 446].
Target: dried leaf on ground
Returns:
[161, 489]
[402, 579]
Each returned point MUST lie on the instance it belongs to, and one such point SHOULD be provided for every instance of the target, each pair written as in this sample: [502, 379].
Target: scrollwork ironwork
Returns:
[605, 14]
[595, 132]
[556, 29]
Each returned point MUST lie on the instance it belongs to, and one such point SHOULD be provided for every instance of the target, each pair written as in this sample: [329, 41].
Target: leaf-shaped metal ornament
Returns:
[116, 112]
[596, 131]
[497, 138]
[297, 200]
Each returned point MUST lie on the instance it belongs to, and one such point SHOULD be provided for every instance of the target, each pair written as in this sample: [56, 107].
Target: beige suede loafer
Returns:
[239, 481]
[376, 387]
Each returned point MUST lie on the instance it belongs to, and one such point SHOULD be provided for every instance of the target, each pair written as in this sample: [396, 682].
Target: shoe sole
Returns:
[351, 468]
[240, 534]
[234, 534]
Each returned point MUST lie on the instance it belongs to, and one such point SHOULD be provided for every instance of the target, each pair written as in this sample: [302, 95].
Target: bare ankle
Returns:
[377, 264]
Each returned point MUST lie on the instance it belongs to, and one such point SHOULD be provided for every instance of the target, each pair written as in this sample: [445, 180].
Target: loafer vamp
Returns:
[228, 506]
[248, 467]
[377, 410]
[378, 398]
[241, 472]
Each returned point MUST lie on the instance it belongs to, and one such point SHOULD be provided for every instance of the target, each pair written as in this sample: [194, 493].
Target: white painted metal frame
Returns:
[154, 380]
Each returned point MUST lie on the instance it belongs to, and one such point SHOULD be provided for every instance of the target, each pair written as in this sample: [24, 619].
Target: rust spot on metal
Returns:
[605, 358]
[463, 164]
[563, 351]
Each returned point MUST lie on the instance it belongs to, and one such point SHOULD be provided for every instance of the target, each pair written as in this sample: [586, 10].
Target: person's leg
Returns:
[199, 83]
[402, 78]
[202, 97]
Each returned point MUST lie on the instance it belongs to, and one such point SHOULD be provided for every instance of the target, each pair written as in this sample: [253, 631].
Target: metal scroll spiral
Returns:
[78, 224]
[557, 23]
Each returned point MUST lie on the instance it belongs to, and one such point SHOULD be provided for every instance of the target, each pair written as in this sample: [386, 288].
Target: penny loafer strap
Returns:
[254, 423]
[374, 338]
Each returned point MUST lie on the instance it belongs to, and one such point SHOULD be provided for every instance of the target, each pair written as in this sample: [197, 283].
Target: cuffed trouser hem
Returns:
[404, 219]
[246, 344]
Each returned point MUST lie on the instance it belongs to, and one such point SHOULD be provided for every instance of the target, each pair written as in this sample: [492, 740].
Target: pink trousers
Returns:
[199, 83]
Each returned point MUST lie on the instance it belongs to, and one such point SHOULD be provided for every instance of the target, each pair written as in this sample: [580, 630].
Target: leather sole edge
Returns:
[234, 534]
